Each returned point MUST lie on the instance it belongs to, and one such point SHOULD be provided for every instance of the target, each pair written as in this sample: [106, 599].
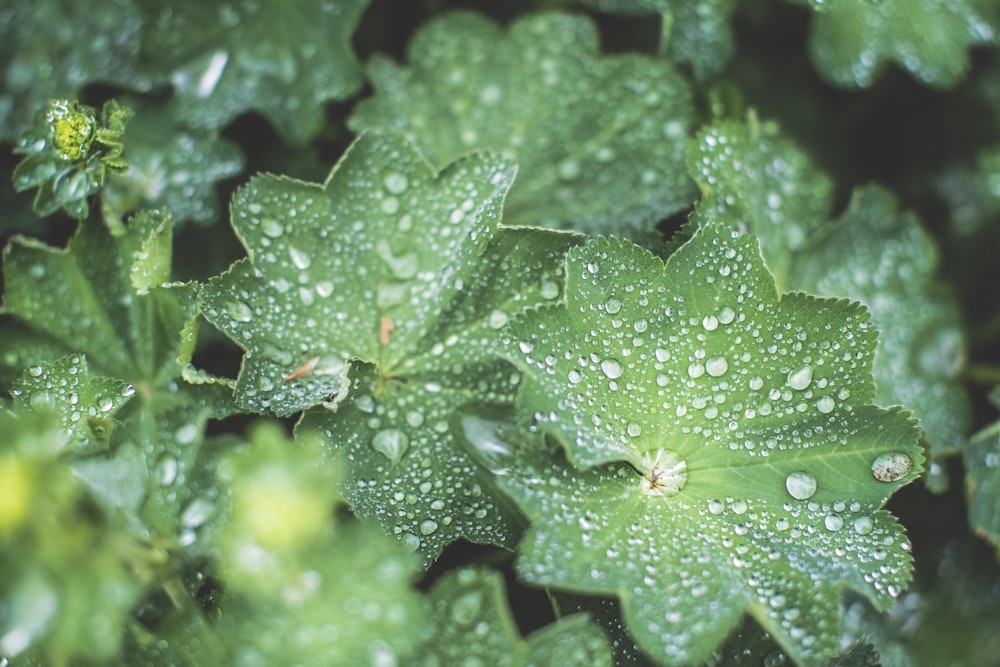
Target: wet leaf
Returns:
[84, 405]
[982, 480]
[70, 150]
[172, 168]
[380, 294]
[54, 48]
[882, 257]
[724, 457]
[852, 40]
[753, 178]
[283, 60]
[473, 623]
[599, 140]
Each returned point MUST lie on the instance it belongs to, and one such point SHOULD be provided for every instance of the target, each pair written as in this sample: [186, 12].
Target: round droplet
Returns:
[696, 370]
[863, 525]
[891, 467]
[410, 542]
[800, 485]
[428, 526]
[825, 405]
[711, 323]
[239, 311]
[613, 306]
[800, 378]
[396, 183]
[465, 608]
[574, 376]
[756, 382]
[716, 367]
[612, 368]
[35, 371]
[727, 315]
[634, 430]
[715, 506]
[392, 443]
[662, 354]
[300, 259]
[497, 319]
[271, 227]
[833, 522]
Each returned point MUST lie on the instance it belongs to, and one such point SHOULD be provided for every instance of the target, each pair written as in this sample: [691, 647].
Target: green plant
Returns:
[535, 352]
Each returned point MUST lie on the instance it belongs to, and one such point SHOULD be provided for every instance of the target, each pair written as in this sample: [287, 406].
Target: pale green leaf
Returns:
[851, 42]
[285, 60]
[599, 140]
[473, 623]
[395, 280]
[882, 257]
[733, 462]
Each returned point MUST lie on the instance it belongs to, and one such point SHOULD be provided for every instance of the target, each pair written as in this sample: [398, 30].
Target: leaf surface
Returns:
[284, 60]
[723, 457]
[851, 41]
[380, 295]
[599, 140]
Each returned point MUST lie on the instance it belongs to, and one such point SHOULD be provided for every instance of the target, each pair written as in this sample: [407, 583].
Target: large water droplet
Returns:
[272, 227]
[800, 378]
[825, 405]
[485, 433]
[800, 485]
[613, 306]
[696, 370]
[300, 259]
[716, 367]
[392, 443]
[863, 525]
[239, 311]
[833, 522]
[612, 368]
[410, 542]
[428, 526]
[465, 608]
[891, 467]
[711, 322]
[396, 183]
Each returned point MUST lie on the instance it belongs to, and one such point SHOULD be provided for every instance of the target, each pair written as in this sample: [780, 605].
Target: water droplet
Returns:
[613, 306]
[35, 371]
[485, 434]
[711, 323]
[715, 506]
[392, 443]
[272, 227]
[300, 259]
[727, 315]
[396, 183]
[128, 391]
[833, 522]
[696, 370]
[186, 434]
[574, 376]
[891, 467]
[197, 512]
[863, 525]
[756, 382]
[428, 526]
[410, 542]
[497, 319]
[825, 405]
[634, 430]
[569, 169]
[662, 354]
[612, 368]
[800, 485]
[801, 378]
[105, 404]
[167, 470]
[716, 367]
[239, 311]
[415, 418]
[465, 608]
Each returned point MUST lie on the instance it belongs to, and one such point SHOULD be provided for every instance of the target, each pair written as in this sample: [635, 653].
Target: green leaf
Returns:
[599, 140]
[733, 462]
[284, 60]
[474, 626]
[54, 48]
[753, 178]
[70, 150]
[170, 167]
[384, 303]
[84, 405]
[982, 480]
[851, 41]
[882, 257]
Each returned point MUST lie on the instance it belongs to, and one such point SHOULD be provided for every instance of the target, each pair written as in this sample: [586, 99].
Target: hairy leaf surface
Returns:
[723, 457]
[599, 141]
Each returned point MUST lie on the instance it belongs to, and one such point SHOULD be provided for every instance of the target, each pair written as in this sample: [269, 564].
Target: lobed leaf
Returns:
[599, 140]
[982, 481]
[883, 258]
[284, 60]
[722, 455]
[852, 40]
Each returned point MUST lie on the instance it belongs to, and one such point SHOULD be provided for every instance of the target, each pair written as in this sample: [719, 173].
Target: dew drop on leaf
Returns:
[410, 542]
[833, 522]
[392, 443]
[612, 368]
[863, 525]
[825, 405]
[800, 485]
[428, 526]
[716, 367]
[800, 378]
[891, 467]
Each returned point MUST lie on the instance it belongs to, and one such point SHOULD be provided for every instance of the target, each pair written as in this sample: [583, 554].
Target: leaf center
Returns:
[665, 474]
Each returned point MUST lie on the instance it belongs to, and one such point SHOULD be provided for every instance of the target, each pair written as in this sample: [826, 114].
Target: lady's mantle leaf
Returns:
[982, 480]
[882, 257]
[733, 463]
[587, 132]
[851, 41]
[474, 626]
[388, 285]
[282, 59]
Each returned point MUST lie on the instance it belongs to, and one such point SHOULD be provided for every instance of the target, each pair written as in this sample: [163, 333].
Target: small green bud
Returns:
[72, 127]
